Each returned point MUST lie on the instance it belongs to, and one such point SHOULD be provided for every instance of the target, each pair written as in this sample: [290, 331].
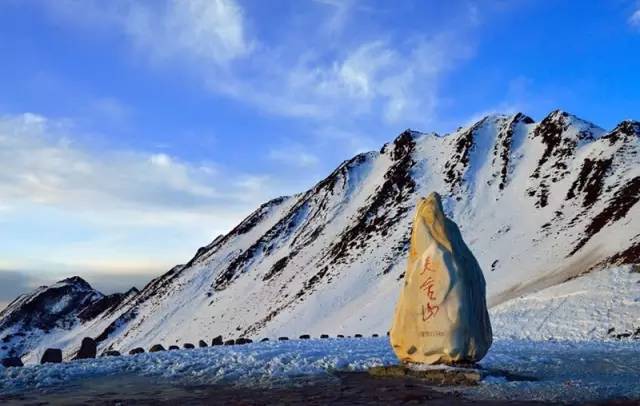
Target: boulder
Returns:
[156, 348]
[217, 341]
[12, 362]
[358, 336]
[340, 336]
[230, 342]
[111, 353]
[441, 315]
[264, 339]
[202, 344]
[305, 337]
[374, 335]
[138, 350]
[283, 338]
[243, 340]
[88, 349]
[51, 355]
[188, 346]
[324, 335]
[173, 347]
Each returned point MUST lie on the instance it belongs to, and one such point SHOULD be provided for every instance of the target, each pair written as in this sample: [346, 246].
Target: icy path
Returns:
[576, 371]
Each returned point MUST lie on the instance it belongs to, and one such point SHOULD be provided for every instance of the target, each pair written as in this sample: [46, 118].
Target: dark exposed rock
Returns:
[137, 350]
[503, 147]
[618, 207]
[230, 342]
[283, 338]
[374, 335]
[51, 355]
[264, 340]
[629, 256]
[243, 340]
[111, 353]
[217, 341]
[188, 346]
[340, 336]
[202, 344]
[358, 336]
[88, 349]
[50, 307]
[12, 362]
[324, 335]
[590, 180]
[173, 348]
[305, 337]
[105, 304]
[156, 348]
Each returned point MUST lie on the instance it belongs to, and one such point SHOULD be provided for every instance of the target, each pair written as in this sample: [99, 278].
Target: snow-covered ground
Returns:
[562, 370]
[584, 308]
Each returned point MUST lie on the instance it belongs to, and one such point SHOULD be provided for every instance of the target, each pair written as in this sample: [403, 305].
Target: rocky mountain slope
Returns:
[537, 202]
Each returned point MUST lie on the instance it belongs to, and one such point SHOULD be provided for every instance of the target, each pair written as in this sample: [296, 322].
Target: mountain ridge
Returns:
[331, 259]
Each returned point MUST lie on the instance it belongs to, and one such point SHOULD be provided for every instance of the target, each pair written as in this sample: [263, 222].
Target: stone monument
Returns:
[441, 316]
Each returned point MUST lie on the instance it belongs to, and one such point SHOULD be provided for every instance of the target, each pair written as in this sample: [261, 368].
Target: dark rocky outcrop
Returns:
[340, 336]
[88, 349]
[305, 337]
[324, 335]
[264, 340]
[173, 347]
[156, 348]
[230, 342]
[188, 346]
[51, 355]
[202, 344]
[283, 338]
[137, 350]
[12, 362]
[358, 336]
[111, 353]
[217, 341]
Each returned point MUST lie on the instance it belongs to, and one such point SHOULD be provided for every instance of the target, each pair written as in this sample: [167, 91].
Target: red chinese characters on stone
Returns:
[427, 286]
[430, 311]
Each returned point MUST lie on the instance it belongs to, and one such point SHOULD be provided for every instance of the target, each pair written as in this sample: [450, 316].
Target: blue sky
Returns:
[132, 133]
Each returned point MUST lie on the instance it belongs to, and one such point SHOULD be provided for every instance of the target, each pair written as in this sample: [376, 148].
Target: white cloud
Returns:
[67, 203]
[205, 31]
[634, 20]
[372, 78]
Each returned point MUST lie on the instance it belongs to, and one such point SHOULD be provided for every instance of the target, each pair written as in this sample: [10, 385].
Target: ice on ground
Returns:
[564, 370]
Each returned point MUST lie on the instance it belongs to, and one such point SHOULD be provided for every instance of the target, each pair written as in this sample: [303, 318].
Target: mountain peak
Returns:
[75, 281]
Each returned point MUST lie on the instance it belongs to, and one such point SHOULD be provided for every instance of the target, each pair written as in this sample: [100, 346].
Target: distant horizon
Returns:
[132, 133]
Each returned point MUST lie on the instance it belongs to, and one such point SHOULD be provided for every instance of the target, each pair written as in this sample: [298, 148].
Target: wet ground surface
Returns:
[356, 388]
[352, 388]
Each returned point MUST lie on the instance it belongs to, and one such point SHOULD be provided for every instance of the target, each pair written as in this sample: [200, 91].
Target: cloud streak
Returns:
[74, 206]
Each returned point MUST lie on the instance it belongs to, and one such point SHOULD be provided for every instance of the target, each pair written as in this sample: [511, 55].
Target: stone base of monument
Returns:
[436, 374]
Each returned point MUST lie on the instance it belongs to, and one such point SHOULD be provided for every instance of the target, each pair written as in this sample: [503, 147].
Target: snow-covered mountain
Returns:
[537, 202]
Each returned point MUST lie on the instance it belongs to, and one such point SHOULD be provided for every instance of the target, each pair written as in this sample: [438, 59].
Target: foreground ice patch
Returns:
[562, 370]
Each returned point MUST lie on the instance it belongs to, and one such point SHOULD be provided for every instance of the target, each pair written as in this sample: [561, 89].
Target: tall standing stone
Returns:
[441, 315]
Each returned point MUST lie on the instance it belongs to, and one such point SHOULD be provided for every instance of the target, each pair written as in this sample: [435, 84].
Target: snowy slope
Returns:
[537, 202]
[601, 305]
